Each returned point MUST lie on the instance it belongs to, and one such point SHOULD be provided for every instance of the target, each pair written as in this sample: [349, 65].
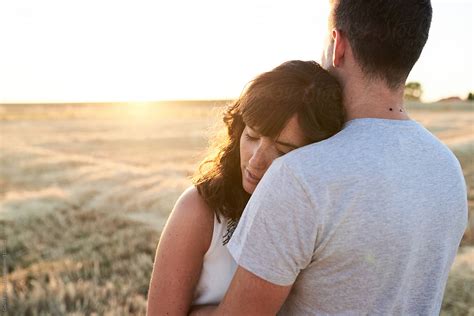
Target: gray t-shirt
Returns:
[366, 222]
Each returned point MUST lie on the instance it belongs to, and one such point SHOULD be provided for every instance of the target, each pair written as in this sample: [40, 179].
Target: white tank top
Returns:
[217, 270]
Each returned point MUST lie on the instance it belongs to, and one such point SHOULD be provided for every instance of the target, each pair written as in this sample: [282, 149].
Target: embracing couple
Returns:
[324, 198]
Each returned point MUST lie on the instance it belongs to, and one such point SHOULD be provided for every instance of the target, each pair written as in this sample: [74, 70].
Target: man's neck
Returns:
[373, 100]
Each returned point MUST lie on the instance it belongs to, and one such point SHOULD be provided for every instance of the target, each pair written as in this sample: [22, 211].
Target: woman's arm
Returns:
[179, 256]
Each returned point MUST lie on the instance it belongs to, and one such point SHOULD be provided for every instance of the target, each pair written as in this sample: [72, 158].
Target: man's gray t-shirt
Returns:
[366, 222]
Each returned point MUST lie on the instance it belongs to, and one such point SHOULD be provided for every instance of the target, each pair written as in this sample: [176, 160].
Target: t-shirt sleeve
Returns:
[276, 235]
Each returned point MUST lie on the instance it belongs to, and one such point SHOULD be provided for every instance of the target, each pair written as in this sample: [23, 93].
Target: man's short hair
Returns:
[386, 36]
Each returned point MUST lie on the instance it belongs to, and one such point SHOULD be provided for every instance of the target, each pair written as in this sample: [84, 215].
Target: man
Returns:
[368, 221]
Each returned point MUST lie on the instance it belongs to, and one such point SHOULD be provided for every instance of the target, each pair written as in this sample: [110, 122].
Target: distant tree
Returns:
[470, 96]
[413, 91]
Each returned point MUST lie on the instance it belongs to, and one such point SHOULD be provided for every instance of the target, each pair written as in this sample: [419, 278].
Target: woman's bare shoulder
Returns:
[192, 199]
[191, 204]
[191, 213]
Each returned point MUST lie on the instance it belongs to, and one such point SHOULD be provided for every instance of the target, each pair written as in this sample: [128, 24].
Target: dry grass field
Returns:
[87, 188]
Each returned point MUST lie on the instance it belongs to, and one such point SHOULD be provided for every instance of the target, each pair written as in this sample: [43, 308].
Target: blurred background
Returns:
[107, 107]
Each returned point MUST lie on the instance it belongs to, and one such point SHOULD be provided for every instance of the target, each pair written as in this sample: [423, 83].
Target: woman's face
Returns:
[257, 152]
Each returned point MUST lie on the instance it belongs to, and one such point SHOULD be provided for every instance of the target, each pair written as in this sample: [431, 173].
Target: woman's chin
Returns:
[249, 188]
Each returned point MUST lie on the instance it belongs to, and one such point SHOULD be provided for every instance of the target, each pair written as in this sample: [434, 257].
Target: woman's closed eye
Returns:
[283, 149]
[281, 152]
[250, 137]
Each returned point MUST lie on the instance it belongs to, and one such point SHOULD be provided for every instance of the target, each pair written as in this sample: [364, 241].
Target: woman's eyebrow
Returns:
[286, 144]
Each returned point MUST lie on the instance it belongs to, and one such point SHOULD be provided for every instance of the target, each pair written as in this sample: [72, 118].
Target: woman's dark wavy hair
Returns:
[296, 87]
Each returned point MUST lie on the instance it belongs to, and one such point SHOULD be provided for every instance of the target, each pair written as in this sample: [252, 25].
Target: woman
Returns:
[295, 104]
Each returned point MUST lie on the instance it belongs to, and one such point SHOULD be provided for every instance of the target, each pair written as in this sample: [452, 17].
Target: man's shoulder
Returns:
[364, 145]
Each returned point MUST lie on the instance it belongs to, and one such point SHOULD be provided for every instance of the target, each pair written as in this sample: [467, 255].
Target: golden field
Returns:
[87, 188]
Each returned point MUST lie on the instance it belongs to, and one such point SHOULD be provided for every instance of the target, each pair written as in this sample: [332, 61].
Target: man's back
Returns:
[378, 214]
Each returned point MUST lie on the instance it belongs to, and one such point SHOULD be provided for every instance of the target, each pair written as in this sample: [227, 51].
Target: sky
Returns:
[142, 50]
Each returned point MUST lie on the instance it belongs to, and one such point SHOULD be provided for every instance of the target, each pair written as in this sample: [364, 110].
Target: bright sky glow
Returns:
[132, 50]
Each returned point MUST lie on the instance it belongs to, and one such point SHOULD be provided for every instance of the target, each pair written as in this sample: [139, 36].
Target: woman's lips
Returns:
[251, 178]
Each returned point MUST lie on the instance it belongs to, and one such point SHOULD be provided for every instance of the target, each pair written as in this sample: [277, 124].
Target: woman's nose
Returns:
[259, 159]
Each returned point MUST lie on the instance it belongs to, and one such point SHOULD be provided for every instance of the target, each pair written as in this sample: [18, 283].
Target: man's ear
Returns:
[339, 48]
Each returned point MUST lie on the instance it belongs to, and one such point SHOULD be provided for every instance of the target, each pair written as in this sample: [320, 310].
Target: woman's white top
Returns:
[217, 270]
